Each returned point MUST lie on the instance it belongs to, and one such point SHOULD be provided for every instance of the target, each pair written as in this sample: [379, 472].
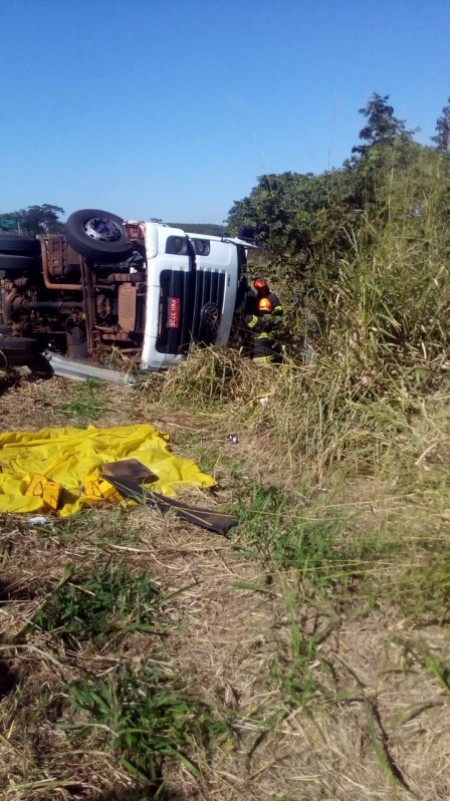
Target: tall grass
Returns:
[382, 324]
[392, 294]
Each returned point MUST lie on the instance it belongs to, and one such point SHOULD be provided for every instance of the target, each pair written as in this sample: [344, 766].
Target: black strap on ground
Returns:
[212, 521]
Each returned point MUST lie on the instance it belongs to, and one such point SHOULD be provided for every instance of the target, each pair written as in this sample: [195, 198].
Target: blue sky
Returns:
[172, 108]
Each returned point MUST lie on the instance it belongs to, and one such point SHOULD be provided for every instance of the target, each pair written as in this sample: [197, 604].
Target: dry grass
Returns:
[373, 724]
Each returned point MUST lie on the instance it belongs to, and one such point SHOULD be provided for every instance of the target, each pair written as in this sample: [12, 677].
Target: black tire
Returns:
[84, 234]
[41, 366]
[19, 246]
[17, 351]
[19, 263]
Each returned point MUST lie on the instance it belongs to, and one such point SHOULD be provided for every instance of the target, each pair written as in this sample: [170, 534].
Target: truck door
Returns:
[171, 279]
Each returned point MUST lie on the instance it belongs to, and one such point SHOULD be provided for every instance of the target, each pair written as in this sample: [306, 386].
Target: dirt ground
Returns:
[377, 727]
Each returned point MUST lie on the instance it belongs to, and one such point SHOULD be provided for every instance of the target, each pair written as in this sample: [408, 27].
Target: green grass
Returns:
[292, 666]
[260, 515]
[140, 715]
[355, 558]
[109, 530]
[100, 629]
[87, 402]
[112, 601]
[338, 558]
[418, 651]
[423, 587]
[272, 529]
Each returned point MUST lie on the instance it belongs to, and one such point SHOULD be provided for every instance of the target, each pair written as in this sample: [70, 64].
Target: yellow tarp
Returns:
[69, 455]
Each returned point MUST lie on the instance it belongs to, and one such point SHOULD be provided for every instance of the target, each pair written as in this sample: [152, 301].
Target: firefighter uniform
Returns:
[265, 313]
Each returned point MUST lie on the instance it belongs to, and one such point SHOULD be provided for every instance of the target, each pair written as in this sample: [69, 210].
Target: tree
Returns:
[308, 226]
[301, 220]
[442, 137]
[43, 219]
[382, 125]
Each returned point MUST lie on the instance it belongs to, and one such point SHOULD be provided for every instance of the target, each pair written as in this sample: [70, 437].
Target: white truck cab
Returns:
[192, 288]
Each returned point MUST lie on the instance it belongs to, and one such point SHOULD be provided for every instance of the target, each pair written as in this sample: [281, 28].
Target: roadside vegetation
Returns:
[307, 656]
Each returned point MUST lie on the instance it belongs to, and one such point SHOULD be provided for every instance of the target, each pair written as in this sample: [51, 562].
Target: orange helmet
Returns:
[265, 305]
[260, 283]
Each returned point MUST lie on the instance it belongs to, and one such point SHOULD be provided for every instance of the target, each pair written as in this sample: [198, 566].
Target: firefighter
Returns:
[262, 321]
[263, 290]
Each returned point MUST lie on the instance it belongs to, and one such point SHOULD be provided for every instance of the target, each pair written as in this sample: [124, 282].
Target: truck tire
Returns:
[18, 263]
[17, 351]
[41, 366]
[98, 235]
[19, 246]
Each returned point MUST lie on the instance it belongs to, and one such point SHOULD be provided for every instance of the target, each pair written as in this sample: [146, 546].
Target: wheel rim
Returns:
[102, 229]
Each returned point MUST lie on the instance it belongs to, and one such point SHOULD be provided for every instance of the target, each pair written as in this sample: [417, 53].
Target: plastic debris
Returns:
[233, 438]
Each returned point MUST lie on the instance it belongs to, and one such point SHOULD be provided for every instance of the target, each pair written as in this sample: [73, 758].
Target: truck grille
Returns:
[201, 295]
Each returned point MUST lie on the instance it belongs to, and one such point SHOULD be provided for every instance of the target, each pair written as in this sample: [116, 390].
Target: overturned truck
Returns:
[149, 289]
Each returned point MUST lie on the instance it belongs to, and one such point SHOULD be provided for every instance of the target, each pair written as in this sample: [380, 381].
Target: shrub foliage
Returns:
[367, 245]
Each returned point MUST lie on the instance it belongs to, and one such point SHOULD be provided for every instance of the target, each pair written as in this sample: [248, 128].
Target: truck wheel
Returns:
[98, 235]
[17, 351]
[19, 246]
[41, 366]
[18, 263]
